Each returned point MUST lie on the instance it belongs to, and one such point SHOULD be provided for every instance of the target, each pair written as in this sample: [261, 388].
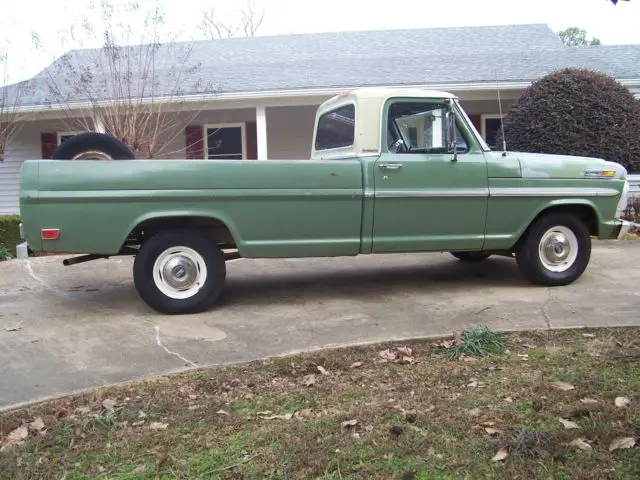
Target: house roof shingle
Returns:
[361, 58]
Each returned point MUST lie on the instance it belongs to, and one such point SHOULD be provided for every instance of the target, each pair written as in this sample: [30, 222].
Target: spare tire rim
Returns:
[558, 249]
[93, 155]
[179, 272]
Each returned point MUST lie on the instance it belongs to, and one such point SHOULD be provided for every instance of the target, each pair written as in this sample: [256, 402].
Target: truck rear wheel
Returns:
[555, 250]
[179, 272]
[93, 146]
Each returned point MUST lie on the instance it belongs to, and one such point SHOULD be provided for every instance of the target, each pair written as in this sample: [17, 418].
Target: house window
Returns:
[490, 126]
[336, 129]
[225, 142]
[64, 136]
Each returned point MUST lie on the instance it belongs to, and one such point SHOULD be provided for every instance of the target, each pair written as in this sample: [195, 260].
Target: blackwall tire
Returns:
[93, 146]
[473, 257]
[179, 272]
[555, 250]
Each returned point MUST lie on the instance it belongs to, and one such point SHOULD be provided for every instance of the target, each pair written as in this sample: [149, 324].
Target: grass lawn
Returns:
[559, 405]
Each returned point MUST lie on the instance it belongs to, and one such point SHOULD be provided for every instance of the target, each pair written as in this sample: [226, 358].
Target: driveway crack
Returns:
[546, 303]
[161, 345]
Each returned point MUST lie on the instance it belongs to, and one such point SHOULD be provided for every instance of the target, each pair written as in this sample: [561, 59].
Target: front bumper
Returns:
[623, 228]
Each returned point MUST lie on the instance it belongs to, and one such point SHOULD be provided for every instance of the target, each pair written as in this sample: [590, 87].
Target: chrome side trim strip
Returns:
[433, 192]
[553, 192]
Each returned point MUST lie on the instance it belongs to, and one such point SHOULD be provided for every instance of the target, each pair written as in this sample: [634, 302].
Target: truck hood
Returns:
[540, 165]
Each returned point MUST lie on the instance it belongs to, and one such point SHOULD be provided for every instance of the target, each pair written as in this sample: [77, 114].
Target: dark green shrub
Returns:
[9, 235]
[576, 112]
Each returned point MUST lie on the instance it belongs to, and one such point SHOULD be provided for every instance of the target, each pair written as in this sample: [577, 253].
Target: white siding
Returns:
[290, 132]
[25, 145]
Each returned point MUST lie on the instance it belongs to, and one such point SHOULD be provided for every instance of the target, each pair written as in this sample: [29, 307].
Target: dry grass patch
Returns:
[543, 405]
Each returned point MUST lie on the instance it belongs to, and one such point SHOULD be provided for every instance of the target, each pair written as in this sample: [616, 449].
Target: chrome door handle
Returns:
[390, 166]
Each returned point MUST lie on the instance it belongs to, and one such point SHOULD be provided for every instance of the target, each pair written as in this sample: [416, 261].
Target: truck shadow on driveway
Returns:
[365, 282]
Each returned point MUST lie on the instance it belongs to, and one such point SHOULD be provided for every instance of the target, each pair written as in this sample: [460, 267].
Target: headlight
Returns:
[624, 200]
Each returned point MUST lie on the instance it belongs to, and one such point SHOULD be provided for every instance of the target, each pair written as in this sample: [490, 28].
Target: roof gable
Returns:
[430, 56]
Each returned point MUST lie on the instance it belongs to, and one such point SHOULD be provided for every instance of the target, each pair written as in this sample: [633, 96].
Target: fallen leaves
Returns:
[622, 402]
[589, 401]
[158, 426]
[349, 423]
[623, 442]
[20, 434]
[82, 411]
[588, 335]
[223, 412]
[109, 404]
[322, 370]
[309, 380]
[446, 344]
[568, 424]
[492, 431]
[501, 454]
[402, 355]
[37, 426]
[268, 416]
[355, 365]
[562, 386]
[580, 444]
[15, 437]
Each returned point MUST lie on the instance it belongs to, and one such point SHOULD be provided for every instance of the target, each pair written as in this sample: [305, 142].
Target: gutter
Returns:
[291, 93]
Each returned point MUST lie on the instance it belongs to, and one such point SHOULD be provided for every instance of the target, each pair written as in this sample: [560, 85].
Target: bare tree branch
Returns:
[11, 120]
[249, 23]
[133, 85]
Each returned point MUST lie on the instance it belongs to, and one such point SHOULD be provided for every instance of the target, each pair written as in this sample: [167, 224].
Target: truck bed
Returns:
[272, 208]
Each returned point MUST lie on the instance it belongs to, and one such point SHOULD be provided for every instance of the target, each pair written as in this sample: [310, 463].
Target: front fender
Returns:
[558, 204]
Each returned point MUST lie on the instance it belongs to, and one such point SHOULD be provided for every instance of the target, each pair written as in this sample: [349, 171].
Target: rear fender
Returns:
[217, 216]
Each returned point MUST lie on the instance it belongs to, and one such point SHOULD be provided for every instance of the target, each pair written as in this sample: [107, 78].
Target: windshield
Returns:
[483, 144]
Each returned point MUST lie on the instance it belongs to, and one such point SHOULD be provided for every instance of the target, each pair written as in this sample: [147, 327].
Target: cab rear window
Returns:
[336, 129]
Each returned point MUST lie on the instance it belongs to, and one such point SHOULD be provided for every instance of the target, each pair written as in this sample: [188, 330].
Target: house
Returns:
[267, 88]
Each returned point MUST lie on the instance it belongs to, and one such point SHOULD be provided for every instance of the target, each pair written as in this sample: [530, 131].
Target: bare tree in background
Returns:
[249, 23]
[11, 120]
[133, 87]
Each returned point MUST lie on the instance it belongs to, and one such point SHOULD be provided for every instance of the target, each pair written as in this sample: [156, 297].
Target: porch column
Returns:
[98, 124]
[261, 131]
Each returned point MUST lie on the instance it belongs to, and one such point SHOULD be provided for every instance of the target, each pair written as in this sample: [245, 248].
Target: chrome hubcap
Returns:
[180, 272]
[558, 249]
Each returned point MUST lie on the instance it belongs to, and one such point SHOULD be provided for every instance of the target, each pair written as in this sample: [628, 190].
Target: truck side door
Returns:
[425, 200]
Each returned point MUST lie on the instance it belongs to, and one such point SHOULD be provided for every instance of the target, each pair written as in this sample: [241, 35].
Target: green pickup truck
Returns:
[391, 171]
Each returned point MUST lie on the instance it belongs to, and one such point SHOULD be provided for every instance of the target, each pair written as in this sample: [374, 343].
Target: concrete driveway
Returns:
[64, 329]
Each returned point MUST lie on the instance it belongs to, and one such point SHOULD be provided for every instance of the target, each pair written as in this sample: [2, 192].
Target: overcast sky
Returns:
[54, 20]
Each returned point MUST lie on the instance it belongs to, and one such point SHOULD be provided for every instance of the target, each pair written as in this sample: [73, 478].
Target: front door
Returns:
[424, 199]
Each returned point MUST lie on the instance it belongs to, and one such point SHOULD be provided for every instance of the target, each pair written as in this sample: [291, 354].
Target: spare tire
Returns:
[93, 146]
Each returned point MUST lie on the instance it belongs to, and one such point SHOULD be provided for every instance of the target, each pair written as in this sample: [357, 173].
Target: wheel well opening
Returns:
[211, 227]
[584, 212]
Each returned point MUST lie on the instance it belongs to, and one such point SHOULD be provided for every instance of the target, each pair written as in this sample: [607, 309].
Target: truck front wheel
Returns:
[179, 272]
[555, 250]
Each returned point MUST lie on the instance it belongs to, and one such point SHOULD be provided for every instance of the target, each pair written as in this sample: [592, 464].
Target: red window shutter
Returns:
[194, 142]
[252, 140]
[48, 144]
[476, 120]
